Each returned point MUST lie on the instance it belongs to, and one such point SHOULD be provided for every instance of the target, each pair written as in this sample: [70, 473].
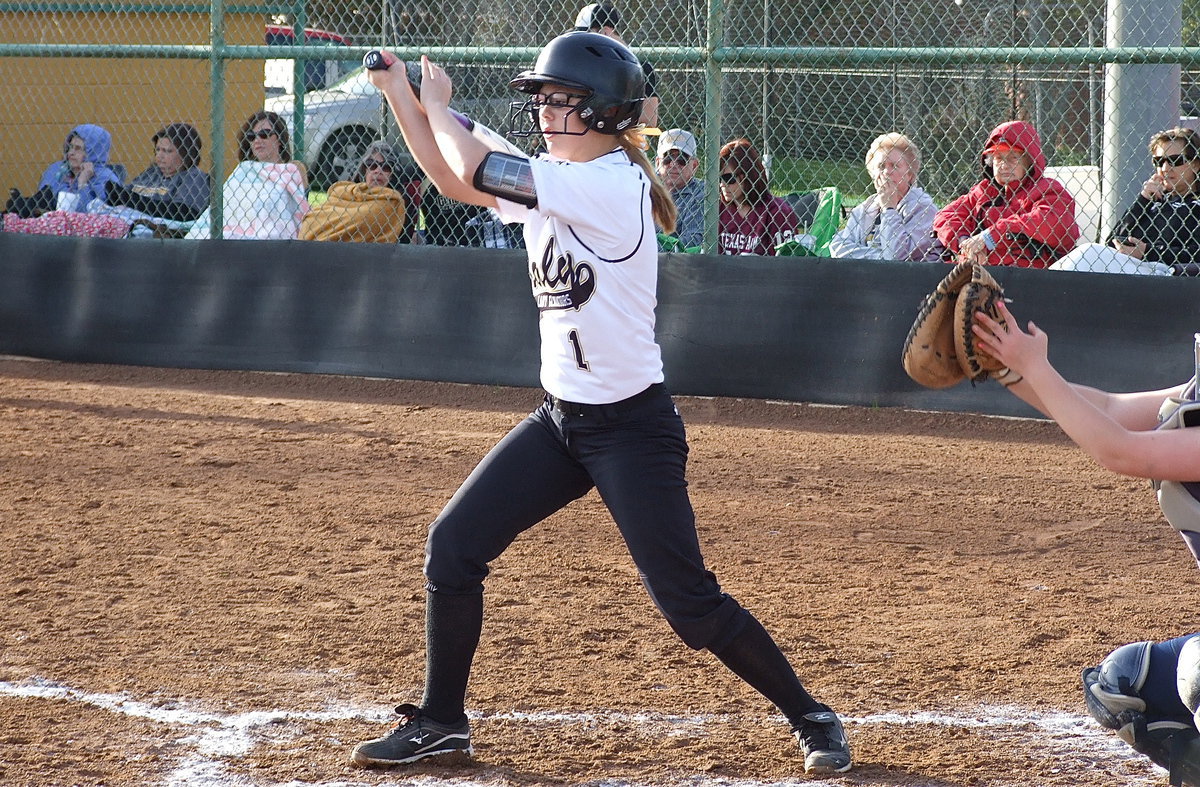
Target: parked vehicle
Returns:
[341, 121]
[339, 124]
[279, 73]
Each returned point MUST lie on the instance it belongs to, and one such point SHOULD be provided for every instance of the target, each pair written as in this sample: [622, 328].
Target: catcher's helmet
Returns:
[604, 70]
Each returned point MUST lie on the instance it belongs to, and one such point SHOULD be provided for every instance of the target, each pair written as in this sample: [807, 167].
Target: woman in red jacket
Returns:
[1014, 216]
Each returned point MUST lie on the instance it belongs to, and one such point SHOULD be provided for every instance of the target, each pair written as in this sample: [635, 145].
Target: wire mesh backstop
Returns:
[810, 85]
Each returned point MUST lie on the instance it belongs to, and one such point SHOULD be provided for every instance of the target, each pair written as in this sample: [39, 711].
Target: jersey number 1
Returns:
[580, 361]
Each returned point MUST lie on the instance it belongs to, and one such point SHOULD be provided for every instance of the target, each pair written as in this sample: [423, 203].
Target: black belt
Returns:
[613, 408]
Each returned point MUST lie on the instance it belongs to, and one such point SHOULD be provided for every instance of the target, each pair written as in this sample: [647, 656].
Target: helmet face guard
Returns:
[526, 111]
[602, 70]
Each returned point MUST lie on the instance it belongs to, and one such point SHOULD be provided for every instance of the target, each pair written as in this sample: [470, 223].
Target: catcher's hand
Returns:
[941, 349]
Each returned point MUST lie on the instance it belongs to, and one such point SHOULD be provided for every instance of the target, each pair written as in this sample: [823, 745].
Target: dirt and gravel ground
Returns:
[215, 578]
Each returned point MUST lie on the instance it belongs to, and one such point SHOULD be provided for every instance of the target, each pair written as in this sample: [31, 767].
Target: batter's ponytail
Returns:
[633, 142]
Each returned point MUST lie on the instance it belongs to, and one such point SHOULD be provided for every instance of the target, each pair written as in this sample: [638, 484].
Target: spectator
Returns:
[896, 222]
[605, 19]
[752, 221]
[1160, 233]
[1015, 215]
[264, 137]
[677, 164]
[488, 230]
[369, 209]
[173, 187]
[265, 196]
[81, 176]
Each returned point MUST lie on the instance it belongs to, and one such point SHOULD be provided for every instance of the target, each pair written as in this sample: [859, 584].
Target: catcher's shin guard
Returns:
[1112, 688]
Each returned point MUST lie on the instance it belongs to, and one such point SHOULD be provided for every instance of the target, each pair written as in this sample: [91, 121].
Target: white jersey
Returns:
[593, 264]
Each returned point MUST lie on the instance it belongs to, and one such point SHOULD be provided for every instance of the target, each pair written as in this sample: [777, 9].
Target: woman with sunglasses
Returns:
[589, 206]
[264, 137]
[1160, 233]
[370, 209]
[752, 220]
[266, 195]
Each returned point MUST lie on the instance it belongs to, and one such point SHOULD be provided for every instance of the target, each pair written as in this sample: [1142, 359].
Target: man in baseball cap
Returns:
[605, 19]
[676, 164]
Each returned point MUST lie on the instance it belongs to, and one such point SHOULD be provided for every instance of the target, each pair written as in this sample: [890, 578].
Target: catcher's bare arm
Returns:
[1117, 430]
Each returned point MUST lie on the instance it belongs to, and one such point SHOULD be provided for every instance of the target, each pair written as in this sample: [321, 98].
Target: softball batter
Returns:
[589, 207]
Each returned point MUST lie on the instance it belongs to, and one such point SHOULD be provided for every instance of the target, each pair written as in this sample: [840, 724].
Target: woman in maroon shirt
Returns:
[752, 221]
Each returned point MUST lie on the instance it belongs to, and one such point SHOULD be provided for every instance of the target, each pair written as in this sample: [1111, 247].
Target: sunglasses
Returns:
[262, 133]
[675, 157]
[1170, 161]
[379, 165]
[729, 177]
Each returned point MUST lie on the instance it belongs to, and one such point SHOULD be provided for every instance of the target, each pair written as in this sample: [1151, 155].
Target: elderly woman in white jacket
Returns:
[896, 222]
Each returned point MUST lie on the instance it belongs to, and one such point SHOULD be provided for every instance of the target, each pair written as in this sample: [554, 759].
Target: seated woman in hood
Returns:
[81, 175]
[1015, 215]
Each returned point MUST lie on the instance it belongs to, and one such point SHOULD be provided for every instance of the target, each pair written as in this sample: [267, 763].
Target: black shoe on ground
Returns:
[416, 737]
[823, 741]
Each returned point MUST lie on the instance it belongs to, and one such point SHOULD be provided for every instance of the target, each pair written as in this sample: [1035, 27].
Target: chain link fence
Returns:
[271, 102]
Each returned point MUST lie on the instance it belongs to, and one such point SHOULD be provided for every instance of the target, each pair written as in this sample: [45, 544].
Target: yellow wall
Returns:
[43, 98]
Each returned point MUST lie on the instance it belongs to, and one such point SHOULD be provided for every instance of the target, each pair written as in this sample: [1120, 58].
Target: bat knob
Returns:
[375, 61]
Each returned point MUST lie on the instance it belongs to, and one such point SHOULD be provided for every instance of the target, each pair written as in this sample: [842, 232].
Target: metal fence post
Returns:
[1139, 99]
[712, 123]
[217, 117]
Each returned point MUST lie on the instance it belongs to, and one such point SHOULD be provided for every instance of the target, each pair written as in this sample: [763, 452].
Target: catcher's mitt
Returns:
[940, 349]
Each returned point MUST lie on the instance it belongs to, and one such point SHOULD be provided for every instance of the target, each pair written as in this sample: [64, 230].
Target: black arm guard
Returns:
[507, 176]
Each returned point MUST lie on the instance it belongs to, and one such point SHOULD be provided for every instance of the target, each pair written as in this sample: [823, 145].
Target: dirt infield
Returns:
[215, 579]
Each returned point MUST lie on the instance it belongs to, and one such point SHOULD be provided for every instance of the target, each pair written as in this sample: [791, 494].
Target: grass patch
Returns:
[796, 174]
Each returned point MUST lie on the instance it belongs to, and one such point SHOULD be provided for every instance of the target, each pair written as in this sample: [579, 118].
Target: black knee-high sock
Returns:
[452, 627]
[755, 658]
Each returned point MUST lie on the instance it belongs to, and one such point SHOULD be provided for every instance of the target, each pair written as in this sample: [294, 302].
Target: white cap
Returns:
[677, 139]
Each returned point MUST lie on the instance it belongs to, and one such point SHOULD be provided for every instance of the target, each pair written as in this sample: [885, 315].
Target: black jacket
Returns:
[1170, 228]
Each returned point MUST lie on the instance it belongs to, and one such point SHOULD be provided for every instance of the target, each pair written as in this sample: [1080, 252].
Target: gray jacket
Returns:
[901, 234]
[689, 201]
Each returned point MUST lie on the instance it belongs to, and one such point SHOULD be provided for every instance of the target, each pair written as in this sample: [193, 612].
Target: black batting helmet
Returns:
[603, 69]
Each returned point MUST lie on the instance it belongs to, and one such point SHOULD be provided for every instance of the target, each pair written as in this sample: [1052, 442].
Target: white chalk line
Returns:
[216, 738]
